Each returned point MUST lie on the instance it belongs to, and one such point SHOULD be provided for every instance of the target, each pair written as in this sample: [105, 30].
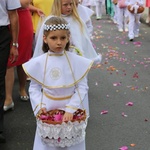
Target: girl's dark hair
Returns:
[51, 21]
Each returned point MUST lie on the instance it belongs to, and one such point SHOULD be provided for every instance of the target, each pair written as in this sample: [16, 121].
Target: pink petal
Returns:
[117, 84]
[124, 115]
[123, 148]
[104, 112]
[129, 104]
[58, 117]
[43, 117]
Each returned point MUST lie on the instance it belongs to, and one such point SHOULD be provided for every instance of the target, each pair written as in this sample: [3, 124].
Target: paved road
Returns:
[123, 77]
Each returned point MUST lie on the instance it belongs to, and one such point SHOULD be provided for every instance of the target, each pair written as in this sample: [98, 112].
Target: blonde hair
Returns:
[55, 21]
[56, 11]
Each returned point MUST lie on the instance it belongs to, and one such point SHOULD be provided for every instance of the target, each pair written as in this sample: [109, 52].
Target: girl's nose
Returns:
[69, 6]
[58, 41]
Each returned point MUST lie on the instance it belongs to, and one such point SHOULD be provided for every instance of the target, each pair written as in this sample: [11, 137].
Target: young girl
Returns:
[78, 30]
[134, 19]
[122, 16]
[99, 8]
[61, 81]
[79, 36]
[115, 17]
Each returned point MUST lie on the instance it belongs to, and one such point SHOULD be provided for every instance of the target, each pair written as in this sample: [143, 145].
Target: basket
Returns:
[54, 132]
[139, 10]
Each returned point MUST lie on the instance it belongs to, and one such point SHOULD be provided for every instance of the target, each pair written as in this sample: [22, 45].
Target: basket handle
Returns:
[74, 78]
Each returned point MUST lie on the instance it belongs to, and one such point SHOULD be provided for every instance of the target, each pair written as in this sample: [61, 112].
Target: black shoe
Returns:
[2, 138]
[131, 39]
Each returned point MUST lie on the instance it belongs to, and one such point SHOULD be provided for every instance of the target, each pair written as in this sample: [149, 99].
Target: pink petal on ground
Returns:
[123, 148]
[122, 42]
[135, 75]
[104, 112]
[129, 104]
[96, 83]
[107, 95]
[117, 84]
[124, 115]
[138, 43]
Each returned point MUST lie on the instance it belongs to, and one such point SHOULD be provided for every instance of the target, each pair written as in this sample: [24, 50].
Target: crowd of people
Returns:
[49, 34]
[125, 17]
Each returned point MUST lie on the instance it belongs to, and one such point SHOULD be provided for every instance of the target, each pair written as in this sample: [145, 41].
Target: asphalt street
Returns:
[119, 95]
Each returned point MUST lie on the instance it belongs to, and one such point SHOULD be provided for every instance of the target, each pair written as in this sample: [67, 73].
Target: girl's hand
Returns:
[67, 116]
[42, 110]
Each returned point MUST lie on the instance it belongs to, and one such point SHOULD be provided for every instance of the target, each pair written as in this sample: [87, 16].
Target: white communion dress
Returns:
[54, 87]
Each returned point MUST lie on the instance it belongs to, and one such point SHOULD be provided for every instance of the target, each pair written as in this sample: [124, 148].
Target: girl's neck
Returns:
[52, 52]
[65, 15]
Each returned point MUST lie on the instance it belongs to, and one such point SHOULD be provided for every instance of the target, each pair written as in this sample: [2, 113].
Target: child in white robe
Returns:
[58, 79]
[79, 36]
[134, 19]
[90, 4]
[122, 16]
[85, 13]
[115, 17]
[99, 8]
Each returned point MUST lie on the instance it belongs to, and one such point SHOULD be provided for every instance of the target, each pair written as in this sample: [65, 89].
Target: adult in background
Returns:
[8, 47]
[148, 5]
[109, 9]
[39, 9]
[25, 40]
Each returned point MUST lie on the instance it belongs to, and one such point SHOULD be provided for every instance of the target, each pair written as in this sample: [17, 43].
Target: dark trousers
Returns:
[5, 39]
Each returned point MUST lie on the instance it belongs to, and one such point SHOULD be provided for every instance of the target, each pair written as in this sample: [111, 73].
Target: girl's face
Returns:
[66, 7]
[56, 40]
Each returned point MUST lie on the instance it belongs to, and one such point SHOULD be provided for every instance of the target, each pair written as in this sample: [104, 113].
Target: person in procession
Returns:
[61, 81]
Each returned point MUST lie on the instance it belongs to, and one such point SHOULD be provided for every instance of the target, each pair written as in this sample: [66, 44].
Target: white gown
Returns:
[134, 19]
[57, 81]
[85, 13]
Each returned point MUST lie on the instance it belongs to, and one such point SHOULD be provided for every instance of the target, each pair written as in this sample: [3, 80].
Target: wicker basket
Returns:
[140, 9]
[54, 132]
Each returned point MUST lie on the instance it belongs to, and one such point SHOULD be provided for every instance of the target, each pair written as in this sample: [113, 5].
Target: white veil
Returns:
[39, 41]
[83, 43]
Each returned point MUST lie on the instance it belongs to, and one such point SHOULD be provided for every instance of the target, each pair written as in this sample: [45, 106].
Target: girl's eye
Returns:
[65, 5]
[63, 38]
[53, 38]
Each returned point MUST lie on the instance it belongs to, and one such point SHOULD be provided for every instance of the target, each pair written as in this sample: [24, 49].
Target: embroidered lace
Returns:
[62, 135]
